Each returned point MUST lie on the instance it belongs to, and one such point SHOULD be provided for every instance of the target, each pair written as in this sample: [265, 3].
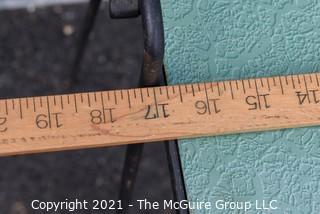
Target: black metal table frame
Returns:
[152, 74]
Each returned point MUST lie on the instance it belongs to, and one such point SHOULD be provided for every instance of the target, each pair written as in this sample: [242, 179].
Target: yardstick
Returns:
[107, 118]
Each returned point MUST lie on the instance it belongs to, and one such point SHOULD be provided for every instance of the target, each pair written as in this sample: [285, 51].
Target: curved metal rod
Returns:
[151, 74]
[153, 34]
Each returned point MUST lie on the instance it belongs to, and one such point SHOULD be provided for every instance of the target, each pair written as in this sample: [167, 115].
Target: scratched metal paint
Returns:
[219, 39]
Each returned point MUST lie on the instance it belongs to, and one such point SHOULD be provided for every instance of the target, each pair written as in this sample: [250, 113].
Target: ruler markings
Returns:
[192, 88]
[199, 87]
[167, 92]
[68, 99]
[27, 102]
[231, 90]
[306, 87]
[281, 86]
[61, 102]
[102, 106]
[185, 86]
[134, 94]
[141, 95]
[249, 83]
[155, 102]
[261, 82]
[20, 109]
[243, 86]
[268, 83]
[224, 85]
[310, 77]
[88, 98]
[173, 90]
[257, 92]
[148, 94]
[115, 97]
[49, 113]
[218, 87]
[75, 103]
[129, 101]
[108, 95]
[187, 114]
[292, 80]
[286, 79]
[81, 98]
[299, 82]
[211, 86]
[180, 93]
[274, 81]
[95, 96]
[34, 104]
[207, 98]
[6, 106]
[121, 94]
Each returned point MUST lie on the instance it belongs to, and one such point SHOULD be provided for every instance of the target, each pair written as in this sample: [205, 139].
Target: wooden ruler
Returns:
[97, 119]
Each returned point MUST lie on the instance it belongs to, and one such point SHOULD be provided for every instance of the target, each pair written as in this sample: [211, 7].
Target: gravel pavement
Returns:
[36, 51]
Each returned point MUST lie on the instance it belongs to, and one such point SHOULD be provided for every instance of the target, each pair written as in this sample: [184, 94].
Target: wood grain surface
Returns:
[98, 119]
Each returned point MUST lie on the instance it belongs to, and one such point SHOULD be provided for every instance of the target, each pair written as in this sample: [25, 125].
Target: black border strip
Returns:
[174, 162]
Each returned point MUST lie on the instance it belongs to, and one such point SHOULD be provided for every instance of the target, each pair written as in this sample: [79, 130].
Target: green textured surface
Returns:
[215, 39]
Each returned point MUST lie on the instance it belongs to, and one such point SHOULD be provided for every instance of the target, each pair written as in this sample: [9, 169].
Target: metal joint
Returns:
[124, 8]
[153, 34]
[152, 74]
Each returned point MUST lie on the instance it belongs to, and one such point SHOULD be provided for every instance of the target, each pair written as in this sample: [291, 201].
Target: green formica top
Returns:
[231, 39]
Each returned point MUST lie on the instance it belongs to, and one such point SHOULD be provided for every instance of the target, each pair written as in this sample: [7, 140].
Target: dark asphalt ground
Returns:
[36, 52]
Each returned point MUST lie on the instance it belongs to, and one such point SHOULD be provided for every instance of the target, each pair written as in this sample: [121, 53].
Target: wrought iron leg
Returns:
[177, 182]
[82, 42]
[129, 174]
[152, 75]
[150, 11]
